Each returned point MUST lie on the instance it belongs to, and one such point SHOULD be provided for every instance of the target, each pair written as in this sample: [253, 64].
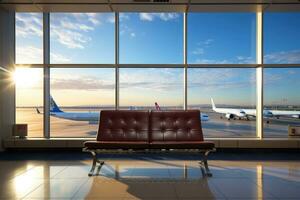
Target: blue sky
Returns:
[157, 38]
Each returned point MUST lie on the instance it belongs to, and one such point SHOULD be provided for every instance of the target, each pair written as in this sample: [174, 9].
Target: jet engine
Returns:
[296, 116]
[229, 116]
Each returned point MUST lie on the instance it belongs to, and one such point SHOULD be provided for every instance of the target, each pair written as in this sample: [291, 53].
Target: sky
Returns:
[157, 38]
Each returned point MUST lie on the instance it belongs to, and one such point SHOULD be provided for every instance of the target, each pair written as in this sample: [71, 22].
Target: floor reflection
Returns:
[146, 179]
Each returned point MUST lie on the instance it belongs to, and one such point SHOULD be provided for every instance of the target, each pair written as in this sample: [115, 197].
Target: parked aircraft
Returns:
[91, 117]
[233, 113]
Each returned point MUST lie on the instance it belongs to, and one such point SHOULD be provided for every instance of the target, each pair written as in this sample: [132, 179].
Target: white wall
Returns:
[7, 92]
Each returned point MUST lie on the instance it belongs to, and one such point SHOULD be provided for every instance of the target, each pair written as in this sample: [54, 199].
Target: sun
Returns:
[26, 77]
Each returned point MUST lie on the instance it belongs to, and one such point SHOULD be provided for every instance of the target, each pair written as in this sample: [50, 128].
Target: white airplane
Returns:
[286, 113]
[230, 113]
[55, 111]
[91, 117]
[233, 113]
[236, 113]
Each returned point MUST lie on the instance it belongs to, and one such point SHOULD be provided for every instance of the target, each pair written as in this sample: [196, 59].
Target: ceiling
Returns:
[150, 5]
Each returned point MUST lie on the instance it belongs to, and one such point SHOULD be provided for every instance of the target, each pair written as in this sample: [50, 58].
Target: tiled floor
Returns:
[150, 178]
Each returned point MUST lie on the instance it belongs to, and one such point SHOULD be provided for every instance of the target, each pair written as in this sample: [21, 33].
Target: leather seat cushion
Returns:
[123, 125]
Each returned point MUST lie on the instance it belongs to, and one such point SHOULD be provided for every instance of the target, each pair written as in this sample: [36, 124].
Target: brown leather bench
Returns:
[141, 130]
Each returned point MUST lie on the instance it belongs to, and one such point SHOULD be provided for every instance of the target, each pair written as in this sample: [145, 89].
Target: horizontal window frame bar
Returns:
[158, 65]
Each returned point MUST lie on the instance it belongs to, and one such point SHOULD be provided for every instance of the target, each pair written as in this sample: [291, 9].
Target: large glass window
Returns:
[29, 38]
[281, 38]
[227, 100]
[29, 99]
[221, 38]
[151, 38]
[84, 38]
[78, 96]
[151, 88]
[281, 100]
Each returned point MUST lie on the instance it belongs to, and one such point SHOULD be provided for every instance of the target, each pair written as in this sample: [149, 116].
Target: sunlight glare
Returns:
[25, 77]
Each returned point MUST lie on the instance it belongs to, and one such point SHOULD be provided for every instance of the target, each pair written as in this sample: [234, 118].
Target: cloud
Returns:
[76, 26]
[80, 83]
[198, 51]
[132, 34]
[34, 55]
[244, 60]
[126, 30]
[210, 61]
[72, 29]
[29, 55]
[160, 80]
[123, 17]
[219, 79]
[283, 57]
[206, 43]
[29, 24]
[70, 39]
[57, 58]
[161, 16]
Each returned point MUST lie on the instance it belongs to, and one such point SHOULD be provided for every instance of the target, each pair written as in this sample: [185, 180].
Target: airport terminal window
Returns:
[29, 99]
[281, 38]
[142, 88]
[151, 38]
[221, 38]
[79, 94]
[82, 38]
[29, 38]
[281, 100]
[233, 92]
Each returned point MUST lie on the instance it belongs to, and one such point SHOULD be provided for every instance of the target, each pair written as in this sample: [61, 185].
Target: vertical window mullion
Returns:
[117, 92]
[185, 92]
[46, 62]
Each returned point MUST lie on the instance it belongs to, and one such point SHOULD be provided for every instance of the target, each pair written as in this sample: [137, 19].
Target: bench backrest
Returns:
[175, 126]
[154, 126]
[123, 125]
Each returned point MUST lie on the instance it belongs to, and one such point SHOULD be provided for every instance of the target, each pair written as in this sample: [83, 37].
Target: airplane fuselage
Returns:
[77, 116]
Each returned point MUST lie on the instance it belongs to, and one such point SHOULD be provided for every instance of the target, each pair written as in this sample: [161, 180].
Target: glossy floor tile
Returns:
[149, 178]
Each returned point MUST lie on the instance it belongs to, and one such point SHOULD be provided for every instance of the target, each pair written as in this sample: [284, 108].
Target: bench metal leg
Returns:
[204, 165]
[95, 161]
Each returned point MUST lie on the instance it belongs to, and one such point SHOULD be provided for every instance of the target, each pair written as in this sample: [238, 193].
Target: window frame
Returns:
[259, 66]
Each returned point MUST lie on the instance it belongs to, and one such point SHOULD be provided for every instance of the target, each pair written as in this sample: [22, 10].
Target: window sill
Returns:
[293, 143]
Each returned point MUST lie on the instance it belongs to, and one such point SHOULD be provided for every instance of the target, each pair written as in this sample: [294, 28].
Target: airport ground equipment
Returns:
[162, 131]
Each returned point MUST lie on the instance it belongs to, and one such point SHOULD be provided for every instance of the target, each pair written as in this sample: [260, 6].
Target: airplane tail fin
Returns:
[213, 104]
[53, 106]
[38, 111]
[157, 107]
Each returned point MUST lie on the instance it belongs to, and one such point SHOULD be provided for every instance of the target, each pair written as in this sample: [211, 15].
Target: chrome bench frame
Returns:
[203, 162]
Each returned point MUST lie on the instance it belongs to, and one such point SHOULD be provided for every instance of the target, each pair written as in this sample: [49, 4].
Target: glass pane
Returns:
[82, 38]
[281, 100]
[233, 92]
[221, 38]
[151, 38]
[78, 97]
[144, 88]
[29, 99]
[29, 38]
[281, 38]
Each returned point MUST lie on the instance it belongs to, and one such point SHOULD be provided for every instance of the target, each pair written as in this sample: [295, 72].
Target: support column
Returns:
[7, 87]
[259, 74]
